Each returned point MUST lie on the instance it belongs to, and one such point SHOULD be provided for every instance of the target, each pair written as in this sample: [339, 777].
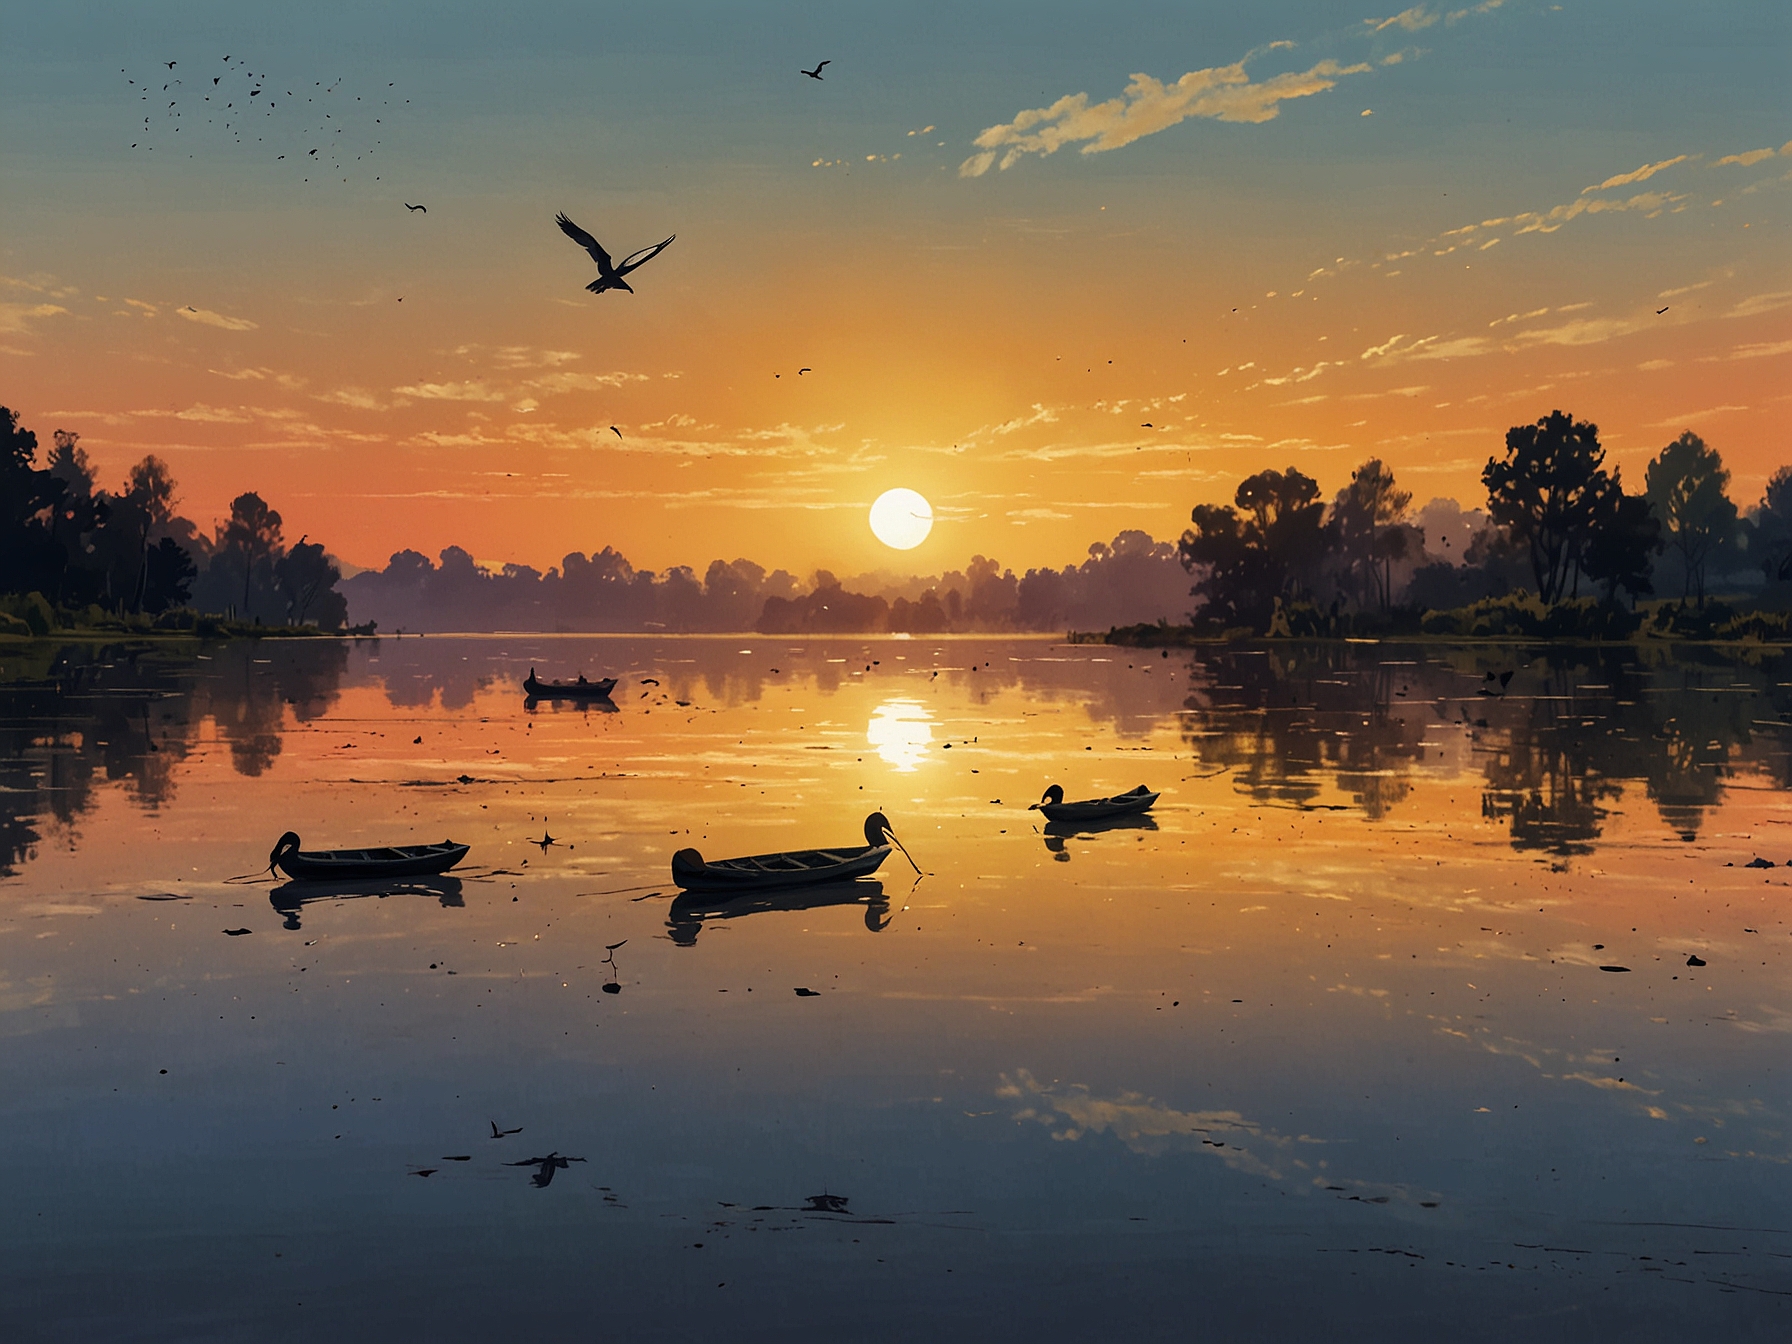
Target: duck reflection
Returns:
[289, 898]
[692, 910]
[1057, 832]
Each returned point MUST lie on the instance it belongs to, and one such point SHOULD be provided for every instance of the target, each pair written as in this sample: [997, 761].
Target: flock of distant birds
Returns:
[230, 101]
[323, 126]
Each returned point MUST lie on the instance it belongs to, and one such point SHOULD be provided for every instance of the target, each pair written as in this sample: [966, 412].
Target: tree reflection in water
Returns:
[1556, 743]
[131, 712]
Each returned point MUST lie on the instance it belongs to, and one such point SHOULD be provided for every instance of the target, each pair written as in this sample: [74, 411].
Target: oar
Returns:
[905, 853]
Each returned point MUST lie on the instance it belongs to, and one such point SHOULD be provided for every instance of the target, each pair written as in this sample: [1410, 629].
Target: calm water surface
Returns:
[1384, 1024]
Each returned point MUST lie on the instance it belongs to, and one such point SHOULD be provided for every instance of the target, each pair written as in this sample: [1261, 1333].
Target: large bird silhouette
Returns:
[609, 274]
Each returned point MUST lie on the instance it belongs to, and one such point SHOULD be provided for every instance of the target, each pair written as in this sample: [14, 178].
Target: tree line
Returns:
[1133, 578]
[1557, 522]
[71, 547]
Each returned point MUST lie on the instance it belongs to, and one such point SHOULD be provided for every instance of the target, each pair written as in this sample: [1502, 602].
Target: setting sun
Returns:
[901, 519]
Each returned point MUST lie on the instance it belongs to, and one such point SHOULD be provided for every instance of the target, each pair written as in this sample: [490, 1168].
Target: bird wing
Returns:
[819, 67]
[586, 241]
[642, 257]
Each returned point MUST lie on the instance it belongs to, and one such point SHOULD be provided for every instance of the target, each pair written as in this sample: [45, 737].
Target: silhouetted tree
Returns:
[1687, 484]
[168, 574]
[29, 497]
[1250, 560]
[1371, 532]
[1548, 492]
[251, 534]
[1770, 528]
[306, 579]
[1625, 540]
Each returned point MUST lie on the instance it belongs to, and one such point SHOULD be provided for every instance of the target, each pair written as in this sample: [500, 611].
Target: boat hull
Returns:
[387, 861]
[770, 872]
[557, 690]
[1099, 809]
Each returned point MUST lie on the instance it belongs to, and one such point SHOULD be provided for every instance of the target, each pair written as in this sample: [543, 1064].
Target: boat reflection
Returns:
[289, 898]
[692, 910]
[1057, 832]
[601, 704]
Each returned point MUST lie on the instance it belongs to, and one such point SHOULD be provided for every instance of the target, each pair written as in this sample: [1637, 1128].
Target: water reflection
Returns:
[692, 910]
[1553, 737]
[1556, 734]
[290, 898]
[901, 731]
[1057, 832]
[131, 713]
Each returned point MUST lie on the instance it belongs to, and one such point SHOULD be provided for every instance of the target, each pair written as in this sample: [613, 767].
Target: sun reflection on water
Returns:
[901, 730]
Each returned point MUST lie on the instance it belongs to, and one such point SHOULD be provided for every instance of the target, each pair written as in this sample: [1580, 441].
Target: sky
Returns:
[1064, 269]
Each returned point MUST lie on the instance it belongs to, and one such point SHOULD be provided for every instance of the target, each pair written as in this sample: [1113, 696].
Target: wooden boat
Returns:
[1092, 809]
[581, 689]
[792, 868]
[386, 861]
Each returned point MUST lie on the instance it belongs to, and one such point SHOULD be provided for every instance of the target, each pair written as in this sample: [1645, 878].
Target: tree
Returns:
[168, 573]
[1369, 515]
[29, 496]
[251, 534]
[1252, 559]
[1547, 492]
[1687, 485]
[1625, 540]
[1770, 528]
[302, 576]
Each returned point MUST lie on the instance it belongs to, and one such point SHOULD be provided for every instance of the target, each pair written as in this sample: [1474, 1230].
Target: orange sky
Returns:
[1383, 240]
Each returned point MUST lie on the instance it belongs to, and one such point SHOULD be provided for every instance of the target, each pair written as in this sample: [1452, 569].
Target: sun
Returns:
[901, 519]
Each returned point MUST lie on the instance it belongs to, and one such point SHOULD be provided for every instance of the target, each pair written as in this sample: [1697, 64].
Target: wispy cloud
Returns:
[1761, 349]
[462, 391]
[207, 317]
[1761, 303]
[1754, 156]
[1412, 20]
[1147, 106]
[17, 317]
[1643, 174]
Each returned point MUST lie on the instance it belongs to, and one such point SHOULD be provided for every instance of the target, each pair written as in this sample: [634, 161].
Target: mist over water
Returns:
[1438, 971]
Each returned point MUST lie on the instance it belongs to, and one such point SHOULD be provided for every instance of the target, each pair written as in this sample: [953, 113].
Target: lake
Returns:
[1441, 995]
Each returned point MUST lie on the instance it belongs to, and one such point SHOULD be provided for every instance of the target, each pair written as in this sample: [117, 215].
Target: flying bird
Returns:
[172, 64]
[609, 274]
[1660, 311]
[423, 208]
[816, 72]
[801, 372]
[500, 1133]
[615, 431]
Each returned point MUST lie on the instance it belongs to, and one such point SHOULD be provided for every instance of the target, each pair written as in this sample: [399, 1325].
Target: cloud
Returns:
[1485, 7]
[1221, 93]
[16, 317]
[1581, 331]
[466, 391]
[1429, 347]
[355, 398]
[1759, 349]
[1410, 19]
[1689, 416]
[1643, 174]
[208, 318]
[583, 382]
[1754, 156]
[1761, 303]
